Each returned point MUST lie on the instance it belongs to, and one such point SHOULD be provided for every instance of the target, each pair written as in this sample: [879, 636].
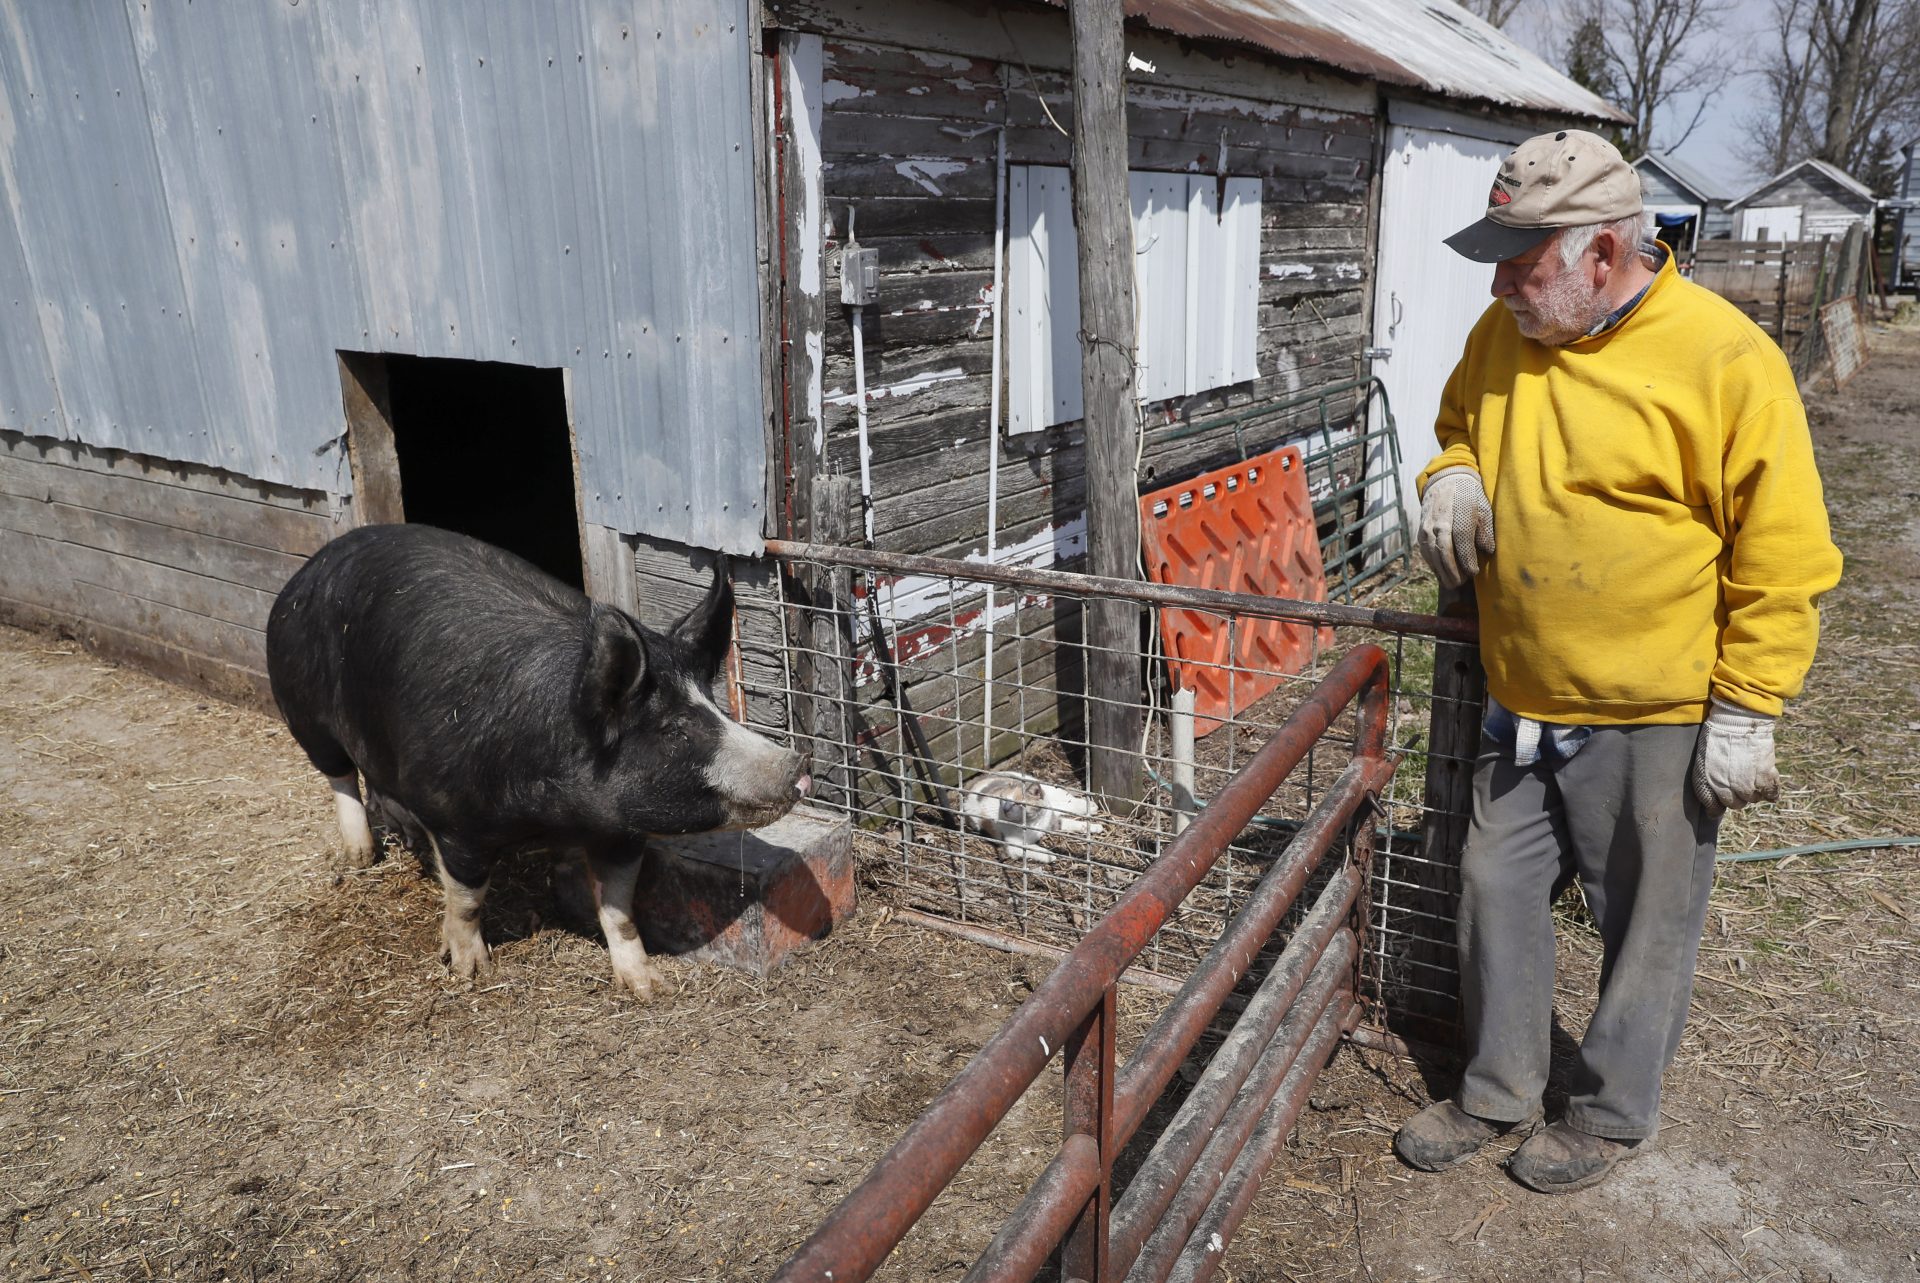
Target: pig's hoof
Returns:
[467, 959]
[357, 855]
[645, 983]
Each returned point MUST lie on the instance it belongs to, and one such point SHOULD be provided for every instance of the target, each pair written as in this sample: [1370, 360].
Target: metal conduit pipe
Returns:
[1309, 969]
[1154, 1241]
[1166, 1044]
[1043, 1217]
[1212, 600]
[1206, 1246]
[857, 1236]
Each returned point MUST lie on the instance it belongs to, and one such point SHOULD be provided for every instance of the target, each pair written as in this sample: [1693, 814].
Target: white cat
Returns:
[1017, 811]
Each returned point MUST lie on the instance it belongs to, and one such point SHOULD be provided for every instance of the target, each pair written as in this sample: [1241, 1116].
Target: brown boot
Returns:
[1444, 1135]
[1563, 1158]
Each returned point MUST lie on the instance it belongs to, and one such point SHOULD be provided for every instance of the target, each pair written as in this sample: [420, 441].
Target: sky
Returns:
[1711, 148]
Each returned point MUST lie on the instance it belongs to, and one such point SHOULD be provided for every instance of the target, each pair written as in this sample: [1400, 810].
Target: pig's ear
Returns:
[708, 627]
[615, 668]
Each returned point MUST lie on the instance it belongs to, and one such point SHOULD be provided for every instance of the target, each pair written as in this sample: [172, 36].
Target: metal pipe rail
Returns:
[1253, 1088]
[1146, 594]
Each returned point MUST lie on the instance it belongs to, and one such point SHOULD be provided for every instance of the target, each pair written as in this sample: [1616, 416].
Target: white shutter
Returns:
[1043, 300]
[1196, 289]
[1161, 281]
[1225, 303]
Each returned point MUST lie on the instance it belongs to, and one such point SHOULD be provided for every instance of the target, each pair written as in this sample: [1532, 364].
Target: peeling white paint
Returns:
[805, 67]
[924, 172]
[840, 91]
[913, 598]
[806, 92]
[1046, 547]
[1150, 94]
[906, 387]
[815, 343]
[1287, 366]
[951, 62]
[1286, 270]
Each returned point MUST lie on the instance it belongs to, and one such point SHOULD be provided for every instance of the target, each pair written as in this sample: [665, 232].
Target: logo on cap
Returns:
[1498, 195]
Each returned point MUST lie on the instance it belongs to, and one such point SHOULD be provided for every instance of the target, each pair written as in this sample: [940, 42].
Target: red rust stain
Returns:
[927, 248]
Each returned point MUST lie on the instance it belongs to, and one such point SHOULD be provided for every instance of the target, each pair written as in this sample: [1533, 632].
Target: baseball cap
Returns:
[1564, 179]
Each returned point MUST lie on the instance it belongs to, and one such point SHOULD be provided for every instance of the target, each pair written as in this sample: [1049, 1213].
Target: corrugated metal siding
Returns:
[204, 202]
[1657, 189]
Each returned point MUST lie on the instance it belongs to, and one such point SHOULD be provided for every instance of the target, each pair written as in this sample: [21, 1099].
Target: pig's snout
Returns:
[758, 780]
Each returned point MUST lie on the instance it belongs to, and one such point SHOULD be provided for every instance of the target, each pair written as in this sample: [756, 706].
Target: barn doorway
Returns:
[482, 447]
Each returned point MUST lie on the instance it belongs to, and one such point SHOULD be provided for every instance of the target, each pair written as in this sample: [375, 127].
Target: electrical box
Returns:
[859, 276]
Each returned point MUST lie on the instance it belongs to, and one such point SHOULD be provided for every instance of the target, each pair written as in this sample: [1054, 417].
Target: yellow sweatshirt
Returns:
[1661, 535]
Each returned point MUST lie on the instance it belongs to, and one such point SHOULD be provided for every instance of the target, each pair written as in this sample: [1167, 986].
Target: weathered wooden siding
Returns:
[908, 145]
[171, 565]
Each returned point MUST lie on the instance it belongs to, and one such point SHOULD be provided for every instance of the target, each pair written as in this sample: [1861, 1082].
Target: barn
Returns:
[566, 277]
[1809, 201]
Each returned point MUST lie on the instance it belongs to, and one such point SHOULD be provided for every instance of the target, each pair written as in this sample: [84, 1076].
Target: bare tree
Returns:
[1588, 66]
[1656, 53]
[1778, 131]
[1842, 83]
[1492, 12]
[1869, 56]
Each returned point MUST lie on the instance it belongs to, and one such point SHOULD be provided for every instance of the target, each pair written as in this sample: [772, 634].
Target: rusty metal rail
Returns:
[1200, 1177]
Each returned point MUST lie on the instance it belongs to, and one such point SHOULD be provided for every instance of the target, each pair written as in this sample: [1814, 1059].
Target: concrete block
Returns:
[748, 900]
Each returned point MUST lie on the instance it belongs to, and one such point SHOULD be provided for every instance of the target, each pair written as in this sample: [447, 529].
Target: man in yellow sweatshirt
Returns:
[1627, 478]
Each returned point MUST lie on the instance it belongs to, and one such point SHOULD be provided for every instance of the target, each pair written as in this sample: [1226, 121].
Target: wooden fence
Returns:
[1783, 285]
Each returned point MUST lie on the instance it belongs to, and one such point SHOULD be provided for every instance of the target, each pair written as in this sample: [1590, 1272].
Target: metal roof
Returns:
[1688, 177]
[1837, 174]
[1427, 44]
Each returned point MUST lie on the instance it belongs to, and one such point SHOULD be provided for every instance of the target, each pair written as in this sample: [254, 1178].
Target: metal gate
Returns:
[1184, 1203]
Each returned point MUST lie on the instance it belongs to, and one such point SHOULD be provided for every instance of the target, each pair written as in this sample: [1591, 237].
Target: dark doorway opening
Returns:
[481, 447]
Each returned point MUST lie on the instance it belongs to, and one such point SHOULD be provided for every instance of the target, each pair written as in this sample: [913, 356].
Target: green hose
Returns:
[1818, 848]
[1731, 857]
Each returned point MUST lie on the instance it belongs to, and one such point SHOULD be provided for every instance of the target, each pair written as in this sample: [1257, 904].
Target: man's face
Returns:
[1552, 302]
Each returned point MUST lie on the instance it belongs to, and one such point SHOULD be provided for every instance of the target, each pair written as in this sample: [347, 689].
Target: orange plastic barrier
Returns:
[1248, 528]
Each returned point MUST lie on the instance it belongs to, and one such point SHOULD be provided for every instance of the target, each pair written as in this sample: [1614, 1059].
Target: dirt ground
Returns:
[223, 1058]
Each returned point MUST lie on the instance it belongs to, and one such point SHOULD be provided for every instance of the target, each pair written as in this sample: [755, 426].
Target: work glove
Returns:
[1456, 525]
[1733, 761]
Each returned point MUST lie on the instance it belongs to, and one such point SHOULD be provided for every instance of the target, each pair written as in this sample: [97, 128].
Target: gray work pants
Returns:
[1620, 815]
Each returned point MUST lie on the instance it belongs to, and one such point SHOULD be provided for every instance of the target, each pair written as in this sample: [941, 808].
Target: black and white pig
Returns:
[493, 709]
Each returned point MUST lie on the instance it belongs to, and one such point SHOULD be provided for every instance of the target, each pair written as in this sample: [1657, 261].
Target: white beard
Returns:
[1562, 311]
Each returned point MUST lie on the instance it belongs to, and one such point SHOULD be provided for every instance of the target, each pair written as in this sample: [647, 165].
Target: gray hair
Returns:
[1635, 230]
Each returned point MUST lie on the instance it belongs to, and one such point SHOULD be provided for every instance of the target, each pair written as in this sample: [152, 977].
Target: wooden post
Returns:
[1780, 296]
[1103, 218]
[370, 449]
[1806, 353]
[822, 675]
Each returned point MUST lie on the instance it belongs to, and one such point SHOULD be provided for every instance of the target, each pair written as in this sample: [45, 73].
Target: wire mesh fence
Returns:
[945, 705]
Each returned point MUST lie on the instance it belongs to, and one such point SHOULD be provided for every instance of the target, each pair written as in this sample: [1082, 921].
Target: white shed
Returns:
[1804, 202]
